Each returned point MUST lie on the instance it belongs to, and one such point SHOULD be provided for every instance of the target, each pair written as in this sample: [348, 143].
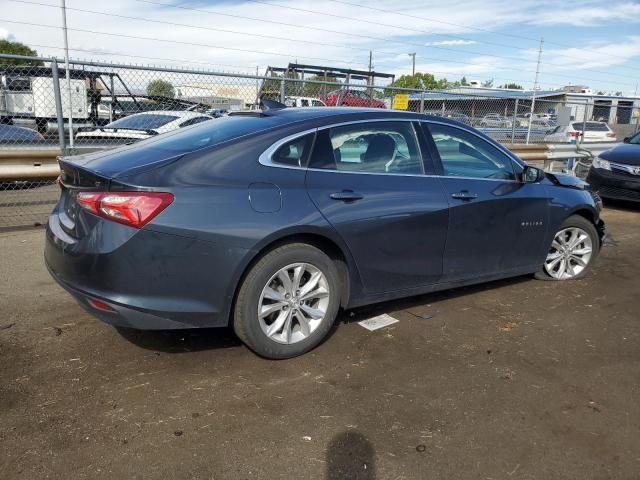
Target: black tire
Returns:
[246, 323]
[589, 228]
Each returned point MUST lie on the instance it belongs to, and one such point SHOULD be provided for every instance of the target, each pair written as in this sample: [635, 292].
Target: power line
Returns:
[119, 54]
[287, 55]
[485, 30]
[396, 41]
[179, 42]
[390, 40]
[236, 32]
[280, 38]
[405, 28]
[164, 22]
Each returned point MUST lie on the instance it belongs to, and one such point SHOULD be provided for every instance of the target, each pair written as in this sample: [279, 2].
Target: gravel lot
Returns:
[516, 379]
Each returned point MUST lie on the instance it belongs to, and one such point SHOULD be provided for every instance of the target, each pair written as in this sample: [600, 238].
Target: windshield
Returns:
[143, 121]
[635, 140]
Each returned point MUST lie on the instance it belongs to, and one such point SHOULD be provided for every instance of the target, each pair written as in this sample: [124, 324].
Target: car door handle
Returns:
[347, 196]
[464, 195]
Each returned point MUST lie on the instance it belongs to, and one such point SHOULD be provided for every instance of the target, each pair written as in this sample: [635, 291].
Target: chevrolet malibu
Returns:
[272, 221]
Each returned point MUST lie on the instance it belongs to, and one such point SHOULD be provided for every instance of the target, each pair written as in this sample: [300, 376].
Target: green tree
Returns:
[419, 81]
[463, 81]
[160, 88]
[488, 83]
[271, 88]
[17, 48]
[512, 86]
[315, 89]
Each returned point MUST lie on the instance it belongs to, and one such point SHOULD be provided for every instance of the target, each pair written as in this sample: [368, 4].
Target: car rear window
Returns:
[591, 126]
[143, 121]
[208, 133]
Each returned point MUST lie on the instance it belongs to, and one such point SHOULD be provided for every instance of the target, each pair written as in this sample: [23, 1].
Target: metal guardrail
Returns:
[30, 163]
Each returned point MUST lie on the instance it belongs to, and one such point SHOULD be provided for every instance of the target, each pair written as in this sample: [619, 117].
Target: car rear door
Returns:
[497, 223]
[367, 179]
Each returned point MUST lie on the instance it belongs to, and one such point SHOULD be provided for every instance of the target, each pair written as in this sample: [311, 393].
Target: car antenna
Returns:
[268, 104]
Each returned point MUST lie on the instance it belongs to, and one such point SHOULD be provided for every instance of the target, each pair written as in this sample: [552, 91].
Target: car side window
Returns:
[464, 154]
[294, 153]
[376, 147]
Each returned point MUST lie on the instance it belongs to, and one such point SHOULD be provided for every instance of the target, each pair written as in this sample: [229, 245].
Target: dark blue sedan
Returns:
[615, 174]
[272, 221]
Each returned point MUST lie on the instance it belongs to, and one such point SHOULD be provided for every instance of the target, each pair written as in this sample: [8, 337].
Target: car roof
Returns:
[175, 113]
[288, 115]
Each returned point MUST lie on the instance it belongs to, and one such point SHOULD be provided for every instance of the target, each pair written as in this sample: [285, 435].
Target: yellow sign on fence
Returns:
[401, 101]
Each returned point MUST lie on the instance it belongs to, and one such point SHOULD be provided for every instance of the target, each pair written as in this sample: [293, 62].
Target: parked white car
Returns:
[595, 132]
[144, 125]
[495, 120]
[303, 102]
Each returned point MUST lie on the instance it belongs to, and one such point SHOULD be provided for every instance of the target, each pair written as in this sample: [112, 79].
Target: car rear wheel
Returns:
[572, 252]
[288, 301]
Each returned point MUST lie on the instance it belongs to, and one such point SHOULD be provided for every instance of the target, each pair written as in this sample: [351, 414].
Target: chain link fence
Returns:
[46, 110]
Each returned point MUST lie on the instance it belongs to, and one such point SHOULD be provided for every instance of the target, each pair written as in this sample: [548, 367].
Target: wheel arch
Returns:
[586, 212]
[331, 245]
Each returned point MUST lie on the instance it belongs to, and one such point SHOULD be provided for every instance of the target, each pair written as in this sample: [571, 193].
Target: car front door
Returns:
[368, 181]
[497, 223]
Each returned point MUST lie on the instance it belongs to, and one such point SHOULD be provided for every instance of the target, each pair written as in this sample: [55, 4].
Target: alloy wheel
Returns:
[570, 253]
[293, 303]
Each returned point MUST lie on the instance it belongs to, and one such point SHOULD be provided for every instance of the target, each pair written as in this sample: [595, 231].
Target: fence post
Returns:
[580, 138]
[282, 91]
[422, 101]
[513, 123]
[58, 100]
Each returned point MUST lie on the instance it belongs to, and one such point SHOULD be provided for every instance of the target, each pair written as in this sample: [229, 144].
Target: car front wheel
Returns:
[288, 301]
[573, 250]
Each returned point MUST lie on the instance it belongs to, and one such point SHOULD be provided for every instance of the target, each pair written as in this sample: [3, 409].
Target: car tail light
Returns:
[135, 209]
[611, 134]
[572, 134]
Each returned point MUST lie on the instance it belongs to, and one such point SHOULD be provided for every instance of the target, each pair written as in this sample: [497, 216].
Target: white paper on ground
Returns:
[376, 323]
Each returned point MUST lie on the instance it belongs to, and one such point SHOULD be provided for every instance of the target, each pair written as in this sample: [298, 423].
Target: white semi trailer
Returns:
[28, 99]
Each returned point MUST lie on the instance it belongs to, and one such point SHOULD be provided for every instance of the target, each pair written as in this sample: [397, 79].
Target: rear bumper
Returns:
[121, 316]
[613, 185]
[152, 280]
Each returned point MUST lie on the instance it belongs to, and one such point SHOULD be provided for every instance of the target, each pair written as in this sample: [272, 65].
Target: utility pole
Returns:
[370, 80]
[413, 68]
[67, 74]
[535, 87]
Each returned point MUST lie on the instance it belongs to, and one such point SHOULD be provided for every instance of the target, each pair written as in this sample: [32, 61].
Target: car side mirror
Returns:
[626, 139]
[532, 174]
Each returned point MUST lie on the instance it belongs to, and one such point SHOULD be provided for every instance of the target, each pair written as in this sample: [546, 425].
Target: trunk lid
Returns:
[74, 179]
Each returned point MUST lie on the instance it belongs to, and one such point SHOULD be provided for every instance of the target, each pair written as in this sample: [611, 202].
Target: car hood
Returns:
[624, 153]
[569, 181]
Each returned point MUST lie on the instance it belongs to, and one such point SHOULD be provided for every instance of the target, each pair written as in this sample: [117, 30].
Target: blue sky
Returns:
[587, 42]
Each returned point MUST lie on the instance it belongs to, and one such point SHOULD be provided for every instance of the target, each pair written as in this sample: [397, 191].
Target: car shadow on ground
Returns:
[411, 304]
[181, 341]
[194, 340]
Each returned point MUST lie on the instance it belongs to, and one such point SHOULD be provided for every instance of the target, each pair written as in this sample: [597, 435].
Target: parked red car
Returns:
[351, 98]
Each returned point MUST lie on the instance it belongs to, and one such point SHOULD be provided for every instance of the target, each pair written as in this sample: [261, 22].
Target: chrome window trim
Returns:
[266, 160]
[265, 157]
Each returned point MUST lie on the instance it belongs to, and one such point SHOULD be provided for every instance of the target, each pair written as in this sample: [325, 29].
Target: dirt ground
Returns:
[517, 379]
